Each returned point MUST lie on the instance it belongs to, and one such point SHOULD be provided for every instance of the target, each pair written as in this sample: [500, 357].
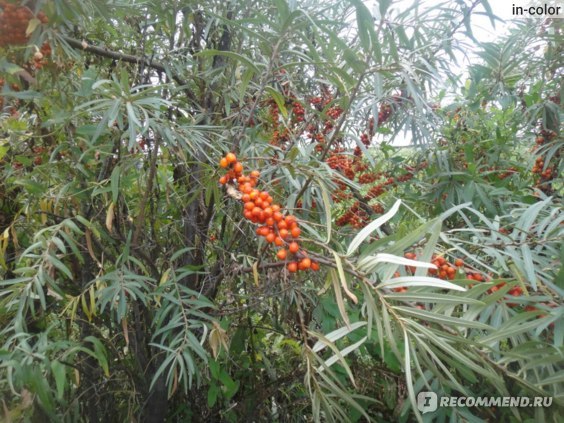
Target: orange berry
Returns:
[278, 241]
[264, 230]
[268, 212]
[264, 195]
[281, 254]
[283, 233]
[223, 180]
[256, 211]
[269, 220]
[223, 163]
[306, 263]
[270, 237]
[245, 198]
[254, 194]
[238, 168]
[277, 215]
[231, 158]
[314, 266]
[275, 208]
[459, 262]
[294, 247]
[249, 205]
[282, 224]
[293, 267]
[255, 174]
[296, 232]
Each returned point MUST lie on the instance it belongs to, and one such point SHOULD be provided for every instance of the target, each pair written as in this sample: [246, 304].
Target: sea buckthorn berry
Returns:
[223, 163]
[223, 180]
[296, 232]
[270, 237]
[294, 247]
[293, 267]
[282, 224]
[231, 158]
[277, 215]
[283, 233]
[281, 254]
[238, 167]
[459, 262]
[278, 241]
[306, 263]
[314, 266]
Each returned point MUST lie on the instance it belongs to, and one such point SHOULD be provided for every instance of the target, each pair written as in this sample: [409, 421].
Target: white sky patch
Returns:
[482, 30]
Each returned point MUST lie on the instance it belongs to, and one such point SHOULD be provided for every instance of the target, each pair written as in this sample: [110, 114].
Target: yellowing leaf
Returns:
[31, 26]
[110, 217]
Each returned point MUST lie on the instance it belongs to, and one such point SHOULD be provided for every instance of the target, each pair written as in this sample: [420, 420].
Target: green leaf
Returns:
[279, 99]
[114, 182]
[59, 372]
[365, 233]
[213, 392]
[337, 334]
[230, 54]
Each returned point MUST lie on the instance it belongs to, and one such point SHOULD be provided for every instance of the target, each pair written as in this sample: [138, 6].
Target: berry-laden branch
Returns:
[277, 228]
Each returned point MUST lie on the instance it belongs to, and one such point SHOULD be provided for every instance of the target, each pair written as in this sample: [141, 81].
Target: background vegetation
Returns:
[133, 286]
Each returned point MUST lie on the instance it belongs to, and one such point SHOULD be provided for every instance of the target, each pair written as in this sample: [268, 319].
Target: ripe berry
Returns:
[223, 163]
[314, 266]
[238, 167]
[296, 232]
[306, 263]
[458, 262]
[270, 237]
[294, 247]
[283, 233]
[231, 158]
[293, 267]
[255, 174]
[281, 254]
[278, 241]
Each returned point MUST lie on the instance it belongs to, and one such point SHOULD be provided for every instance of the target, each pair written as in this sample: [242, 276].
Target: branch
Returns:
[129, 58]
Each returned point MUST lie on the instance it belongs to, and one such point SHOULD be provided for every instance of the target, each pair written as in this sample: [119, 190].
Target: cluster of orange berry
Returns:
[277, 228]
[444, 270]
[40, 57]
[14, 21]
[538, 168]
